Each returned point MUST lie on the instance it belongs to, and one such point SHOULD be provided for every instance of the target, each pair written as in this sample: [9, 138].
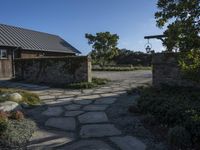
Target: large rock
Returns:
[9, 106]
[16, 97]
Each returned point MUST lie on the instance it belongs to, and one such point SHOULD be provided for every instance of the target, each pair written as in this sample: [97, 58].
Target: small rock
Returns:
[9, 106]
[16, 97]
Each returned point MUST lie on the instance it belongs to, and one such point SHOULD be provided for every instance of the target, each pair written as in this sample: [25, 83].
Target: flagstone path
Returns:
[77, 119]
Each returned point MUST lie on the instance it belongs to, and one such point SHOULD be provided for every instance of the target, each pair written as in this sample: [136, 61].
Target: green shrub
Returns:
[149, 120]
[179, 137]
[17, 133]
[173, 106]
[134, 109]
[99, 81]
[190, 65]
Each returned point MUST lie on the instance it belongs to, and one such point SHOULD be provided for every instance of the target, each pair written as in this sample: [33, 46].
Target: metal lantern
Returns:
[148, 47]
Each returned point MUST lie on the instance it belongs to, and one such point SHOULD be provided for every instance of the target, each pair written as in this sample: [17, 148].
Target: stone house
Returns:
[17, 42]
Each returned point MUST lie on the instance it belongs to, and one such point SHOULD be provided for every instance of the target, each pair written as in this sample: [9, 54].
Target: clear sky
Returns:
[71, 19]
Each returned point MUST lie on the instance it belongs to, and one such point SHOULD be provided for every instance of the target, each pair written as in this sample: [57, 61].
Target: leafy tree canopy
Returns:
[104, 46]
[183, 16]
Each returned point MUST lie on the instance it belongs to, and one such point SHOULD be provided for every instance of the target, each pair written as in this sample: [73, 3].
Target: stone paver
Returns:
[128, 143]
[105, 100]
[93, 117]
[53, 111]
[95, 107]
[98, 130]
[49, 139]
[73, 107]
[87, 145]
[62, 123]
[73, 113]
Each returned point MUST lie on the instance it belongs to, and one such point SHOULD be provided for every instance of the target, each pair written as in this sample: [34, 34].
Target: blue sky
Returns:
[71, 19]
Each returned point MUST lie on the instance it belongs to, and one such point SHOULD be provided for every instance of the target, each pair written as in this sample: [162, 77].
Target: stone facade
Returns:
[54, 70]
[166, 71]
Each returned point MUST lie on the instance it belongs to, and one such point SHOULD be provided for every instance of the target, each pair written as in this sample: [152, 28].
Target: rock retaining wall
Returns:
[54, 71]
[166, 71]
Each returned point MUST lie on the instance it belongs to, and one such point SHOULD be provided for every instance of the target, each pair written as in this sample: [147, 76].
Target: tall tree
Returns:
[183, 30]
[104, 46]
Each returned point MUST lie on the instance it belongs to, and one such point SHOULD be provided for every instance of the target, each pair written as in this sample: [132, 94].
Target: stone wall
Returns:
[166, 71]
[54, 70]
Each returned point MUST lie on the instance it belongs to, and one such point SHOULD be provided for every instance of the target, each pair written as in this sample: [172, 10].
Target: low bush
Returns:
[149, 120]
[179, 138]
[173, 106]
[88, 85]
[17, 134]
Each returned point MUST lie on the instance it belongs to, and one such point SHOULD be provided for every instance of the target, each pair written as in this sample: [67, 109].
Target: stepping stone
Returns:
[87, 145]
[105, 100]
[83, 102]
[93, 117]
[88, 97]
[53, 111]
[109, 95]
[62, 123]
[73, 113]
[73, 107]
[128, 143]
[48, 139]
[68, 99]
[99, 130]
[46, 97]
[95, 107]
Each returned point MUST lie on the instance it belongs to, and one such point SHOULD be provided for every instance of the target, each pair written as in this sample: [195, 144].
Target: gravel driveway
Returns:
[123, 75]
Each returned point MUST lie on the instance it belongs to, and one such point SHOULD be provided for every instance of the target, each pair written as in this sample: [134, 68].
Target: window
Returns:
[3, 54]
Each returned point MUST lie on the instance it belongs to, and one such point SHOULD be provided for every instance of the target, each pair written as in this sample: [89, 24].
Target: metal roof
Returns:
[33, 40]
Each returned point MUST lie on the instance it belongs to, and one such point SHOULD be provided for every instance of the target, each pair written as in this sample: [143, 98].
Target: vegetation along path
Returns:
[91, 118]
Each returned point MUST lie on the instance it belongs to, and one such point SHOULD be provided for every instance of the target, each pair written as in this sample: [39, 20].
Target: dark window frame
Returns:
[5, 52]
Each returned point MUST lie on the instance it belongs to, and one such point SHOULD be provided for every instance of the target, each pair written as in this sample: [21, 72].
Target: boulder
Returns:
[9, 106]
[16, 97]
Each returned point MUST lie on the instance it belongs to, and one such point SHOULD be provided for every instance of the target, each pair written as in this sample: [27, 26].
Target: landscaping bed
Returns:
[88, 85]
[15, 130]
[27, 97]
[173, 111]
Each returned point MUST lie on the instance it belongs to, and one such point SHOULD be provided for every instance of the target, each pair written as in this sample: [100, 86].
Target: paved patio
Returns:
[77, 119]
